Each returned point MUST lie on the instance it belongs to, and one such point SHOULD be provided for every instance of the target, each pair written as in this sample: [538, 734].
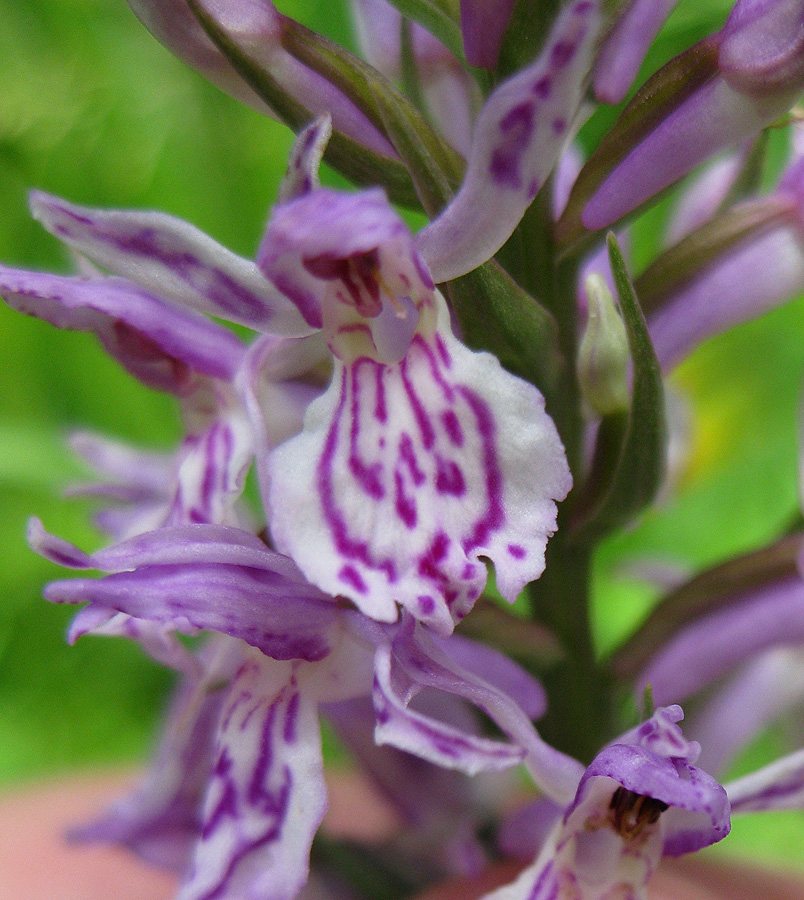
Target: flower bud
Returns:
[762, 47]
[603, 355]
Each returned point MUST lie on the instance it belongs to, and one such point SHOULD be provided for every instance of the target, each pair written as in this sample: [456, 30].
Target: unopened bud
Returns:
[603, 355]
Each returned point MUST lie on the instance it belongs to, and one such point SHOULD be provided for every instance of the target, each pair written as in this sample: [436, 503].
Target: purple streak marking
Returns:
[495, 514]
[380, 411]
[543, 87]
[452, 426]
[422, 419]
[443, 352]
[291, 719]
[367, 476]
[407, 455]
[405, 506]
[349, 575]
[517, 551]
[449, 478]
[344, 543]
[517, 128]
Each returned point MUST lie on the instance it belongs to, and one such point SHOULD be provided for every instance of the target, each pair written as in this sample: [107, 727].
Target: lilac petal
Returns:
[713, 118]
[762, 45]
[777, 786]
[327, 248]
[172, 259]
[424, 736]
[55, 549]
[755, 277]
[214, 578]
[405, 475]
[125, 465]
[267, 794]
[567, 169]
[483, 23]
[498, 670]
[706, 650]
[305, 158]
[626, 47]
[418, 662]
[761, 691]
[159, 343]
[157, 639]
[378, 26]
[253, 25]
[704, 196]
[518, 137]
[253, 606]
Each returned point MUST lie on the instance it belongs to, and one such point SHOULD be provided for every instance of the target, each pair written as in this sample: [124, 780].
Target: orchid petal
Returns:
[232, 586]
[305, 158]
[311, 241]
[713, 118]
[424, 736]
[172, 259]
[213, 469]
[159, 343]
[779, 785]
[255, 26]
[498, 670]
[406, 474]
[761, 691]
[418, 662]
[709, 648]
[755, 277]
[267, 794]
[157, 639]
[627, 46]
[140, 470]
[704, 195]
[422, 793]
[483, 24]
[518, 137]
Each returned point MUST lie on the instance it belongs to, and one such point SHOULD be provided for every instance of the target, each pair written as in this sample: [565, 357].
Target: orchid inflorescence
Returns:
[419, 406]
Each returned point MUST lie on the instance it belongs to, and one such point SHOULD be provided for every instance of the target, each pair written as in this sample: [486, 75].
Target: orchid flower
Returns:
[261, 776]
[641, 797]
[447, 455]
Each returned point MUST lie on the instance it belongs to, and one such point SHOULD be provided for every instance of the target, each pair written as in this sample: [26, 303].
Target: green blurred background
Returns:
[93, 109]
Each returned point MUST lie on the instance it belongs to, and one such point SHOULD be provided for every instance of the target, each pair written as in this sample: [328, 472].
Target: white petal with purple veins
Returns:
[267, 794]
[406, 474]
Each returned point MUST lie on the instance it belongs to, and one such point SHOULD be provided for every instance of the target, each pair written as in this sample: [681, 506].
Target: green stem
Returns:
[579, 715]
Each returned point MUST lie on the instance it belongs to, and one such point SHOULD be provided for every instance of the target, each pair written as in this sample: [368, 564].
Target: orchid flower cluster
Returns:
[420, 407]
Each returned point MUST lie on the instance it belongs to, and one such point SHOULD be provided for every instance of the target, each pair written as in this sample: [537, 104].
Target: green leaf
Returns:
[698, 250]
[631, 452]
[439, 18]
[350, 158]
[651, 104]
[496, 314]
[709, 591]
